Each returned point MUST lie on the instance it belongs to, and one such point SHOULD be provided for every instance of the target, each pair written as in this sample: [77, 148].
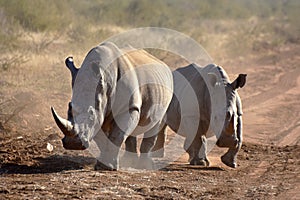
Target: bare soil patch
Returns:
[268, 162]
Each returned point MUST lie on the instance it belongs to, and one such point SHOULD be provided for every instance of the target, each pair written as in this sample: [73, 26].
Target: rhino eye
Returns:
[70, 114]
[228, 115]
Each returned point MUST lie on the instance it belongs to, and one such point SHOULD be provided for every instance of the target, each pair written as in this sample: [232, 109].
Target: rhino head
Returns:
[226, 111]
[87, 107]
[71, 141]
[230, 134]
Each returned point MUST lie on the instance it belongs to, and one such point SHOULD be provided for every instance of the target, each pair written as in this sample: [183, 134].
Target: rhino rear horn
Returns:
[70, 64]
[64, 125]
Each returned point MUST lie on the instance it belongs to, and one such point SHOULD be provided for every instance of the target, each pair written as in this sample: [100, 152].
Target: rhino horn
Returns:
[70, 64]
[64, 125]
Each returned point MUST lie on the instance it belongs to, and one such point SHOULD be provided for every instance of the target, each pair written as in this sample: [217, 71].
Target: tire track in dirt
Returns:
[260, 169]
[290, 136]
[287, 80]
[286, 85]
[272, 175]
[293, 194]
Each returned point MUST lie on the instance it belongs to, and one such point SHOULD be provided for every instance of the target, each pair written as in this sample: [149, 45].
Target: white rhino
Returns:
[205, 103]
[115, 93]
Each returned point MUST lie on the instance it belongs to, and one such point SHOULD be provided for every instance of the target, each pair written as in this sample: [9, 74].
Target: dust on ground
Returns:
[268, 163]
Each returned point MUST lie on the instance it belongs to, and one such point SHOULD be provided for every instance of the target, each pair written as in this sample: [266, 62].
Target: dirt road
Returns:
[268, 162]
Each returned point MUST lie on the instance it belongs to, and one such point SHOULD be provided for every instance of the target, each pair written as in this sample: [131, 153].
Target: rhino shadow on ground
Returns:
[51, 164]
[185, 167]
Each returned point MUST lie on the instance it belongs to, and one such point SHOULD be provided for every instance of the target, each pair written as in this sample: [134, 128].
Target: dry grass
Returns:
[33, 50]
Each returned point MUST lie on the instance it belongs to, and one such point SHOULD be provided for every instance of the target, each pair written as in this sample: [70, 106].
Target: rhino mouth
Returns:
[74, 143]
[72, 140]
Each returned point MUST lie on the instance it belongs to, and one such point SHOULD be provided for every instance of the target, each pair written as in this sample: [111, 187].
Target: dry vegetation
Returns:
[260, 38]
[36, 36]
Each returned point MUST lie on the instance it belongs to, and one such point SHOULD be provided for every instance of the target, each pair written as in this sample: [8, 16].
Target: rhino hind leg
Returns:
[130, 156]
[146, 161]
[147, 144]
[129, 160]
[158, 151]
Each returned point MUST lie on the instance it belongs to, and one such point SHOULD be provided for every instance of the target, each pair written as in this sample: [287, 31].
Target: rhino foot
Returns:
[146, 163]
[200, 161]
[207, 162]
[106, 167]
[228, 160]
[158, 154]
[129, 160]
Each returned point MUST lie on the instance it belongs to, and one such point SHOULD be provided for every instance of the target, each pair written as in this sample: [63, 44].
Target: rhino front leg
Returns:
[109, 159]
[123, 127]
[230, 157]
[146, 161]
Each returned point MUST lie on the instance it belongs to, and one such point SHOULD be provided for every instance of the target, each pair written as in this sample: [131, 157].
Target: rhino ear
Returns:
[212, 78]
[239, 82]
[70, 64]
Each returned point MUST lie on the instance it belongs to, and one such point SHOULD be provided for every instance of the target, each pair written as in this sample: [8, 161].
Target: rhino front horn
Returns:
[64, 125]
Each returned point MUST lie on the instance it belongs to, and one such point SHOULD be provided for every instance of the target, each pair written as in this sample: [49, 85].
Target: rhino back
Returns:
[155, 84]
[191, 97]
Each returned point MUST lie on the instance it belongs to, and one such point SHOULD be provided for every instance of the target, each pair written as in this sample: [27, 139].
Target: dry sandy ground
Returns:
[268, 162]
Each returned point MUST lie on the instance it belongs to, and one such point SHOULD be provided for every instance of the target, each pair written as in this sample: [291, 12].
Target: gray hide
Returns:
[116, 94]
[205, 103]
